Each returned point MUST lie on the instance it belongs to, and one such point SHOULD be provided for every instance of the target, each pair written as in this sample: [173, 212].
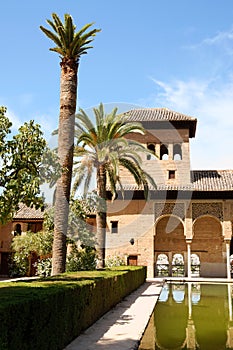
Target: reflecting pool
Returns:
[191, 316]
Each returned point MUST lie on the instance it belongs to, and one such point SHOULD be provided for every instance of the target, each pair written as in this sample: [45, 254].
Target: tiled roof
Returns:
[26, 213]
[212, 180]
[157, 114]
[201, 180]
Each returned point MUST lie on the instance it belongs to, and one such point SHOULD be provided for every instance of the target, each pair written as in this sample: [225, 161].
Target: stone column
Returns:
[227, 233]
[188, 241]
[188, 235]
[170, 151]
[227, 241]
[170, 263]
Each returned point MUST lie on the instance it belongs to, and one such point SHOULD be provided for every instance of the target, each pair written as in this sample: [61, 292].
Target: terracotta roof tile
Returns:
[212, 180]
[157, 114]
[25, 212]
[201, 180]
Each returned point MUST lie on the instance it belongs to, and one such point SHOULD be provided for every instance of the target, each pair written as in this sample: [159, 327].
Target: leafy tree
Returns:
[70, 45]
[102, 149]
[78, 231]
[23, 246]
[26, 162]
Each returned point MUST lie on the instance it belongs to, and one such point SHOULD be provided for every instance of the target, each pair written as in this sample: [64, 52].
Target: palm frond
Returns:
[111, 180]
[52, 25]
[79, 43]
[127, 128]
[85, 120]
[132, 168]
[63, 39]
[69, 29]
[57, 22]
[83, 29]
[52, 36]
[87, 182]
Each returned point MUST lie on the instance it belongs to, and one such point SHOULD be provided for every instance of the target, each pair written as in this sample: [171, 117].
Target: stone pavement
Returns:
[123, 326]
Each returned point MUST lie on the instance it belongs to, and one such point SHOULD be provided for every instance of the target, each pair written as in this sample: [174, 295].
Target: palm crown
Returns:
[104, 145]
[68, 43]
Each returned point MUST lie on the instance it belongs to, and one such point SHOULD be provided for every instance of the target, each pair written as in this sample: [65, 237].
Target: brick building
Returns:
[185, 229]
[25, 219]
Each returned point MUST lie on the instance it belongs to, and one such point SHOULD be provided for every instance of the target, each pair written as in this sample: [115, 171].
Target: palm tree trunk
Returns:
[101, 216]
[68, 97]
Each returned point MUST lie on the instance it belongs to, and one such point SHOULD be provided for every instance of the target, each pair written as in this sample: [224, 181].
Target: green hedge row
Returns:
[49, 314]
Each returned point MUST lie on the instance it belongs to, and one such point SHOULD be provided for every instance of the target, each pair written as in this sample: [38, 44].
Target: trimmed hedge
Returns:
[50, 313]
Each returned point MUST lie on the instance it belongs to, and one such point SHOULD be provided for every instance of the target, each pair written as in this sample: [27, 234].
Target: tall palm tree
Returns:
[70, 45]
[103, 149]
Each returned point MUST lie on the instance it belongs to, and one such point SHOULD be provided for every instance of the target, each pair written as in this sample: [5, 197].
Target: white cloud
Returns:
[223, 39]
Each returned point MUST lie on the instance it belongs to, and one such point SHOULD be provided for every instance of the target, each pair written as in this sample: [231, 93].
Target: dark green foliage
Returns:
[82, 259]
[49, 314]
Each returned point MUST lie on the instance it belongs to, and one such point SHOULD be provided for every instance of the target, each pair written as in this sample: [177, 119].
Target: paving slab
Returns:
[123, 326]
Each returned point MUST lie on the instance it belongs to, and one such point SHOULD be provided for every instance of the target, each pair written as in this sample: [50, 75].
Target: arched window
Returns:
[163, 152]
[195, 265]
[151, 147]
[17, 230]
[162, 265]
[177, 152]
[178, 265]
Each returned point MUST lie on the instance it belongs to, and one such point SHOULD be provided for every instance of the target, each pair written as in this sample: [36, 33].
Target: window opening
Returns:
[178, 265]
[195, 265]
[132, 260]
[150, 147]
[177, 152]
[17, 230]
[171, 174]
[114, 228]
[163, 152]
[162, 265]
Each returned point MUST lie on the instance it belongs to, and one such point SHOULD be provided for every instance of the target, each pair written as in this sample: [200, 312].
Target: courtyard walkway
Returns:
[123, 326]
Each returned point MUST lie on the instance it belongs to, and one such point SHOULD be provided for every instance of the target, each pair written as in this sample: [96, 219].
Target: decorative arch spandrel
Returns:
[213, 209]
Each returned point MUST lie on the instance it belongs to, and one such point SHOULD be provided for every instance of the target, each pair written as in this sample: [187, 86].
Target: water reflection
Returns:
[178, 292]
[192, 316]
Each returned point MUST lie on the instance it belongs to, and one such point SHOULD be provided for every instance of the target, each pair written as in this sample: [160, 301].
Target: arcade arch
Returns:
[208, 228]
[169, 244]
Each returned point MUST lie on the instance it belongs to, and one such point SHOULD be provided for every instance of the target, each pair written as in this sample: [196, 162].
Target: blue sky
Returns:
[167, 53]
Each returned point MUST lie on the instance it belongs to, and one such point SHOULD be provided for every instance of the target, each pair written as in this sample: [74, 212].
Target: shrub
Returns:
[48, 314]
[18, 265]
[44, 267]
[115, 260]
[39, 243]
[82, 259]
